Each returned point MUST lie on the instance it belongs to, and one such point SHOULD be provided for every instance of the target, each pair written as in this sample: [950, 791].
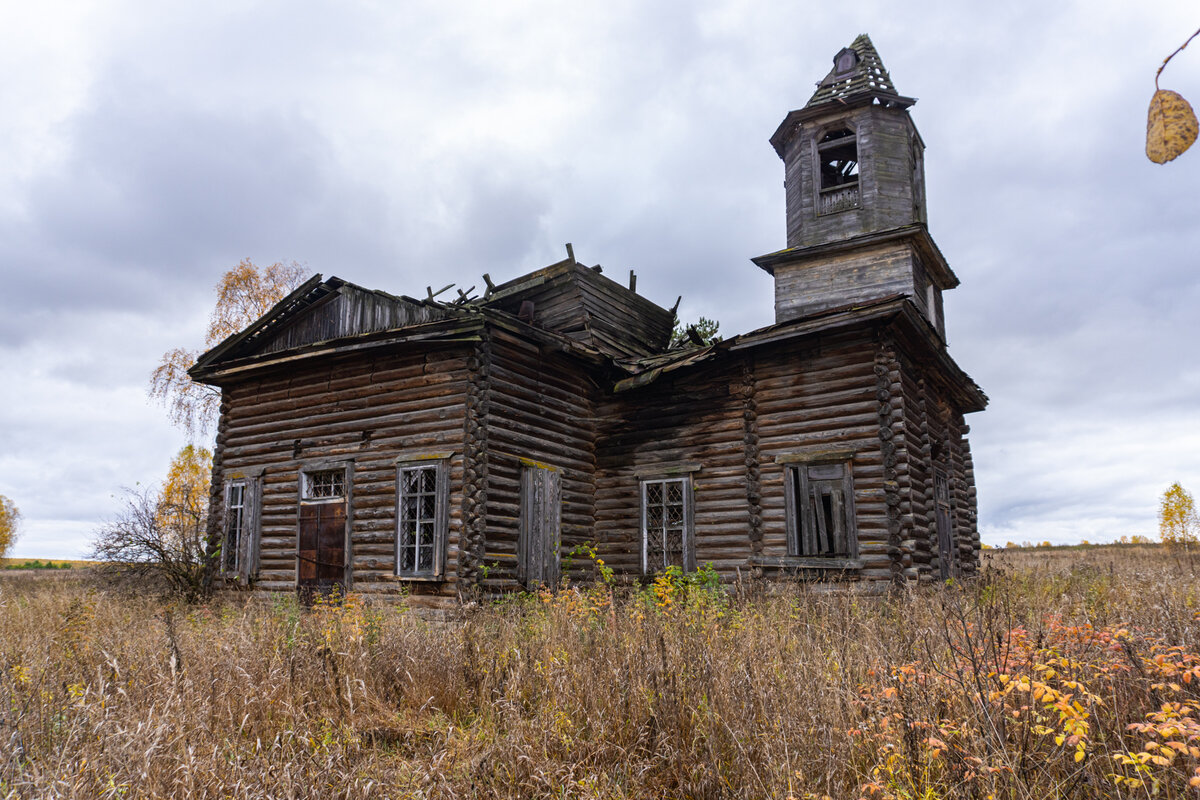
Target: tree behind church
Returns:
[156, 543]
[244, 294]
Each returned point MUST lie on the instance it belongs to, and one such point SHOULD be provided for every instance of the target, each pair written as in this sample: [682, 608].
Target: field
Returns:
[1072, 673]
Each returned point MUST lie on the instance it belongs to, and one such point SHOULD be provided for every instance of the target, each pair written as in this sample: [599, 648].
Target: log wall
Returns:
[368, 410]
[733, 424]
[540, 411]
[693, 419]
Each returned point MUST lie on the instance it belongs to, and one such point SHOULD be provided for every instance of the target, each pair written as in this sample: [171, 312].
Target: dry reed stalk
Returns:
[775, 694]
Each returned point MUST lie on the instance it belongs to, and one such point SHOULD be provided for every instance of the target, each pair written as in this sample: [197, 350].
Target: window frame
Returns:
[246, 549]
[306, 483]
[304, 498]
[798, 513]
[819, 147]
[689, 527]
[441, 516]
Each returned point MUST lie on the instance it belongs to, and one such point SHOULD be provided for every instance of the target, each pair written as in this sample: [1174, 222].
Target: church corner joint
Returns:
[421, 446]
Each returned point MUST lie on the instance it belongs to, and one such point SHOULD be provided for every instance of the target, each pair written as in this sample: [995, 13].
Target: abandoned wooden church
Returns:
[418, 446]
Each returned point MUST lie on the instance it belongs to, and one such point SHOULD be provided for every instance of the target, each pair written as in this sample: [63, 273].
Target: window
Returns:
[539, 539]
[235, 524]
[820, 511]
[421, 518]
[837, 153]
[239, 534]
[667, 536]
[326, 484]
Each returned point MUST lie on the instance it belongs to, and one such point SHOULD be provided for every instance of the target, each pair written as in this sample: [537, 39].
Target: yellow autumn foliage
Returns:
[10, 518]
[1177, 521]
[244, 294]
[184, 496]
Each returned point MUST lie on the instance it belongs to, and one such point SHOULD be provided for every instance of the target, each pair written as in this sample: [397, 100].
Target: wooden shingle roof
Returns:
[865, 75]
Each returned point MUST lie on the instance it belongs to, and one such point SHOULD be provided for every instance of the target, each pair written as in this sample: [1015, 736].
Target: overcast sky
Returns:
[148, 147]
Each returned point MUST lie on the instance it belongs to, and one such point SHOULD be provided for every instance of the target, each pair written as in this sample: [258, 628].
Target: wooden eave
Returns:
[920, 338]
[304, 296]
[923, 343]
[466, 327]
[791, 123]
[915, 235]
[462, 329]
[542, 337]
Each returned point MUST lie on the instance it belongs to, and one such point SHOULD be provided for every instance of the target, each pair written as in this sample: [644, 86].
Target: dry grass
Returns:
[1023, 684]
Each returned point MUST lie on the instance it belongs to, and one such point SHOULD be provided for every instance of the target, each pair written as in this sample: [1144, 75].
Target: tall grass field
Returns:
[1055, 674]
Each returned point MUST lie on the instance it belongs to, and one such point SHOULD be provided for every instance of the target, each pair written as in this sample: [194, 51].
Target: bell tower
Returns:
[854, 178]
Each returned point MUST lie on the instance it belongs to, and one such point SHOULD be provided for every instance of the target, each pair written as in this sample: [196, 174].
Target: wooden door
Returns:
[945, 533]
[322, 546]
[539, 539]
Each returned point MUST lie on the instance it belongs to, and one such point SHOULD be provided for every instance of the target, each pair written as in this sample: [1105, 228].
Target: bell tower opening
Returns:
[839, 158]
[837, 152]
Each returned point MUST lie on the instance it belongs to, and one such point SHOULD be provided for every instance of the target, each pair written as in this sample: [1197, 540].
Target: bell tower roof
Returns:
[858, 78]
[857, 70]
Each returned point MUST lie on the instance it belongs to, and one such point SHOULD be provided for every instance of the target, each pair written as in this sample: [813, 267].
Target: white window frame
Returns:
[438, 526]
[307, 484]
[689, 533]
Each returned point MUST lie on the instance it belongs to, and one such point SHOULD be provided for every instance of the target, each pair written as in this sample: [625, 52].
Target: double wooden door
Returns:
[321, 547]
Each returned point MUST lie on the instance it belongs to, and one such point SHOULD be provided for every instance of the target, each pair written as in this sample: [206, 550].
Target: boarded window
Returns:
[667, 524]
[820, 511]
[539, 539]
[421, 519]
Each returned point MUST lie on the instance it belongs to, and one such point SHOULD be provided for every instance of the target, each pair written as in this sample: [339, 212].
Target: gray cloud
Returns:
[402, 147]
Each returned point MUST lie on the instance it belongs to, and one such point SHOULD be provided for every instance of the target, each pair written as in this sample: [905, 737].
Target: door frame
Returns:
[323, 465]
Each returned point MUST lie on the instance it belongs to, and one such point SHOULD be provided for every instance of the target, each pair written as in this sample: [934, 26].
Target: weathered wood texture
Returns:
[823, 394]
[891, 176]
[579, 302]
[350, 311]
[805, 287]
[541, 411]
[366, 409]
[935, 435]
[697, 418]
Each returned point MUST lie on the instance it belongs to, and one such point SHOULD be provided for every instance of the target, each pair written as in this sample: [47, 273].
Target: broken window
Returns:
[820, 511]
[539, 538]
[421, 521]
[838, 151]
[667, 535]
[235, 524]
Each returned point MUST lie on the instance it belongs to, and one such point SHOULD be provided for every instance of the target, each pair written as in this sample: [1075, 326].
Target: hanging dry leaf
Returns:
[1170, 128]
